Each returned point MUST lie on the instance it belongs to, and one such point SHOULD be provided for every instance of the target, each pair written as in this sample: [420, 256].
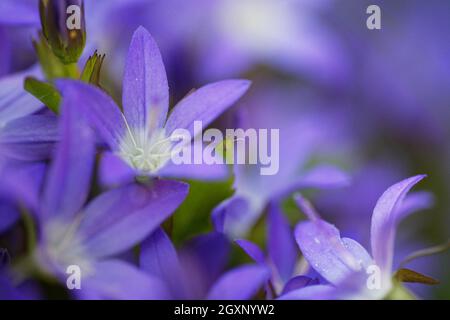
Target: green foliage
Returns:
[194, 215]
[43, 91]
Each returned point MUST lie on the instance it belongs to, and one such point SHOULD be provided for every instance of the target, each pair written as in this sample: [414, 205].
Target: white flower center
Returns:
[64, 247]
[147, 152]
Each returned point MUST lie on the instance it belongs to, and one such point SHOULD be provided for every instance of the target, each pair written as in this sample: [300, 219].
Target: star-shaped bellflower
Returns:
[346, 264]
[89, 236]
[141, 136]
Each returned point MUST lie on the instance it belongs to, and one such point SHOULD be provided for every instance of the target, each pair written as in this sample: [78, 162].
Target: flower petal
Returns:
[239, 284]
[205, 104]
[15, 102]
[69, 176]
[386, 215]
[332, 257]
[202, 172]
[108, 219]
[30, 138]
[281, 243]
[145, 89]
[252, 250]
[115, 279]
[159, 258]
[113, 171]
[99, 109]
[316, 292]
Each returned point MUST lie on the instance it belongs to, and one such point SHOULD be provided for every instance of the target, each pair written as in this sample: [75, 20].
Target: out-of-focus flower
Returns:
[87, 237]
[343, 262]
[140, 137]
[195, 272]
[303, 136]
[282, 255]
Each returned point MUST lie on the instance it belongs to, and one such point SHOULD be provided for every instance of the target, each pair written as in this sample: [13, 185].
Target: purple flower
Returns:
[140, 137]
[343, 262]
[89, 236]
[195, 272]
[302, 137]
[282, 256]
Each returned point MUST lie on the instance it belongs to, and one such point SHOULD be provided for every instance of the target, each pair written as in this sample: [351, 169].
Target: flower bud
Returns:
[64, 27]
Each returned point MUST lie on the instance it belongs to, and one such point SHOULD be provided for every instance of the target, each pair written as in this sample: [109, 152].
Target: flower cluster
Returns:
[92, 203]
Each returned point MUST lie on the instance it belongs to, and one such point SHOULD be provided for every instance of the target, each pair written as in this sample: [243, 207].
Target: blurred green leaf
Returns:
[194, 215]
[44, 91]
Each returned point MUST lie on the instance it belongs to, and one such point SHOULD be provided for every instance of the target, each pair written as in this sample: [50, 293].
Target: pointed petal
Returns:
[109, 218]
[332, 257]
[115, 279]
[205, 104]
[98, 108]
[159, 258]
[30, 138]
[239, 284]
[252, 250]
[69, 176]
[145, 89]
[386, 215]
[281, 243]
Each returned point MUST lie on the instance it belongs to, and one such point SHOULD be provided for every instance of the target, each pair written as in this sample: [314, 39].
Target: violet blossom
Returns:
[343, 262]
[139, 138]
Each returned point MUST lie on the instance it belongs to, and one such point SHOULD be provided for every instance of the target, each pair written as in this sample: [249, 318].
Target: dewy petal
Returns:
[15, 102]
[385, 218]
[108, 219]
[332, 257]
[159, 258]
[115, 279]
[69, 176]
[99, 109]
[205, 104]
[30, 138]
[281, 243]
[299, 282]
[145, 89]
[241, 283]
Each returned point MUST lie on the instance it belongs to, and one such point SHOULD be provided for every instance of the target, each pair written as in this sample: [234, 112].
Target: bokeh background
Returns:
[374, 102]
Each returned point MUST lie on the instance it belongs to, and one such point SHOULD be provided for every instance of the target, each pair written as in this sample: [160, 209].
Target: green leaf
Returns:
[43, 91]
[407, 275]
[92, 68]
